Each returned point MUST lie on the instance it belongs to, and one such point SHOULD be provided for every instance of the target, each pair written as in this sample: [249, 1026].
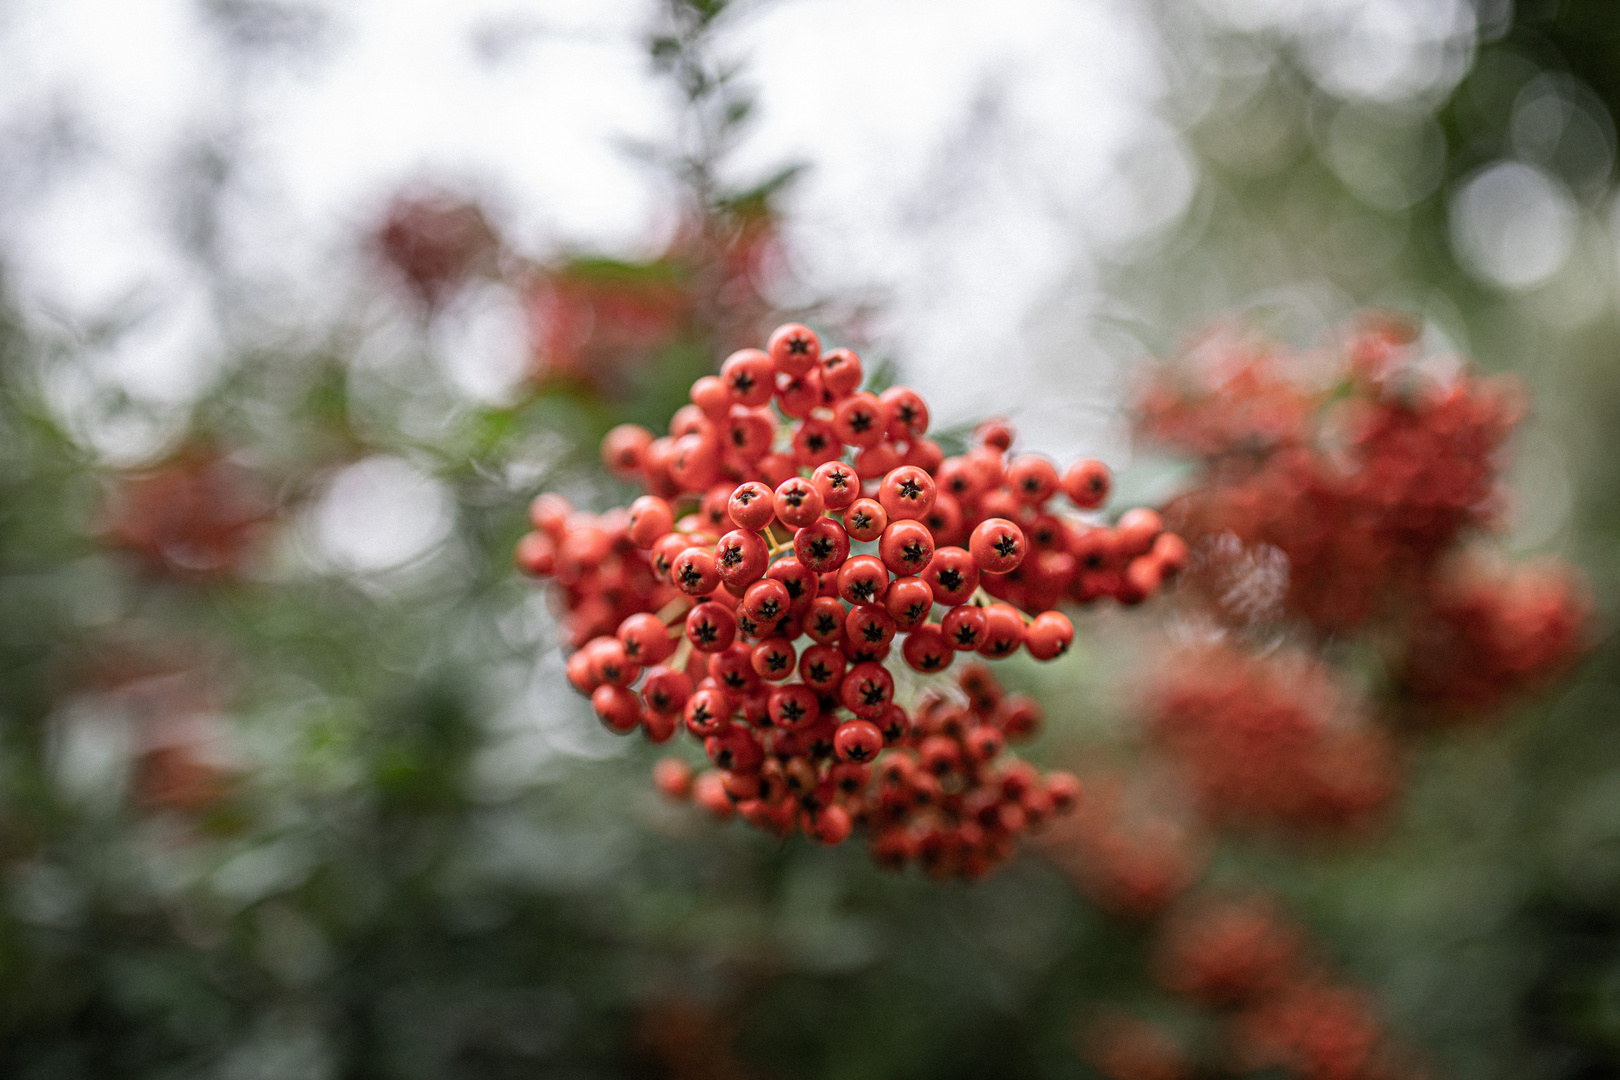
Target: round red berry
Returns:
[1049, 636]
[673, 777]
[793, 348]
[695, 572]
[766, 601]
[1136, 531]
[645, 638]
[712, 397]
[797, 502]
[1087, 484]
[822, 546]
[865, 520]
[822, 668]
[859, 419]
[750, 376]
[824, 620]
[814, 442]
[536, 554]
[794, 708]
[906, 493]
[666, 689]
[617, 708]
[750, 506]
[774, 659]
[867, 689]
[858, 741]
[906, 547]
[838, 484]
[748, 434]
[650, 519]
[869, 625]
[799, 395]
[831, 825]
[840, 373]
[997, 545]
[952, 575]
[927, 650]
[964, 627]
[800, 581]
[863, 580]
[622, 450]
[909, 601]
[1032, 478]
[1003, 631]
[711, 627]
[908, 412]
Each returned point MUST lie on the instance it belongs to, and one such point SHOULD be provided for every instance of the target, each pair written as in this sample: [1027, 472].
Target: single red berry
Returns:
[957, 477]
[797, 502]
[824, 620]
[673, 777]
[984, 743]
[622, 450]
[831, 825]
[869, 625]
[646, 640]
[748, 434]
[1000, 503]
[1032, 478]
[1020, 717]
[995, 433]
[822, 668]
[964, 627]
[695, 572]
[952, 575]
[906, 493]
[906, 547]
[774, 659]
[1136, 531]
[611, 662]
[617, 708]
[536, 554]
[799, 395]
[793, 348]
[867, 689]
[840, 373]
[708, 711]
[865, 520]
[549, 513]
[666, 689]
[650, 520]
[750, 375]
[696, 462]
[908, 412]
[1003, 631]
[1064, 790]
[583, 678]
[710, 627]
[814, 442]
[925, 454]
[863, 580]
[940, 755]
[740, 787]
[997, 545]
[859, 419]
[794, 708]
[664, 552]
[927, 650]
[1171, 552]
[822, 546]
[858, 741]
[944, 519]
[858, 652]
[709, 792]
[1050, 635]
[1143, 576]
[849, 777]
[909, 601]
[732, 669]
[712, 397]
[689, 420]
[1087, 484]
[838, 484]
[894, 723]
[766, 600]
[751, 506]
[741, 557]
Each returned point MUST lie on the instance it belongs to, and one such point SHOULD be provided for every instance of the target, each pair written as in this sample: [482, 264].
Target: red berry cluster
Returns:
[198, 515]
[1485, 632]
[1363, 480]
[794, 531]
[1271, 739]
[935, 788]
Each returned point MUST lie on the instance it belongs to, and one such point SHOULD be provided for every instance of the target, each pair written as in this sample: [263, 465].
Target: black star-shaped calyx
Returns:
[873, 633]
[951, 578]
[707, 632]
[910, 489]
[798, 346]
[1007, 545]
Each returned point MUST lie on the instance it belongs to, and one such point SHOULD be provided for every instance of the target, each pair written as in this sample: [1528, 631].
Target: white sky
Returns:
[969, 169]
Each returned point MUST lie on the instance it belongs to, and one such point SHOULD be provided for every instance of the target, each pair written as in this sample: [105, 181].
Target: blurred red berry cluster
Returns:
[197, 515]
[692, 607]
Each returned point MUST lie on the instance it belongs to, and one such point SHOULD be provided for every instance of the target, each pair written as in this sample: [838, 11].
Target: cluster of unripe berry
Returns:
[692, 606]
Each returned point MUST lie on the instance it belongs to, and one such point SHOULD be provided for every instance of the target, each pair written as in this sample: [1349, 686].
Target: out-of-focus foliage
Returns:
[291, 784]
